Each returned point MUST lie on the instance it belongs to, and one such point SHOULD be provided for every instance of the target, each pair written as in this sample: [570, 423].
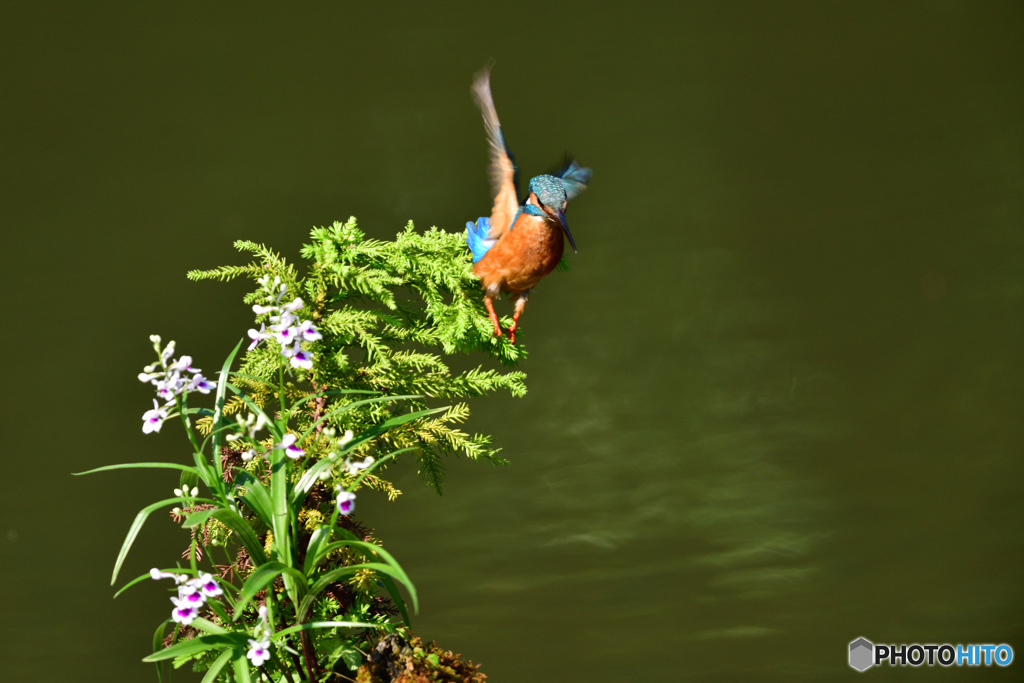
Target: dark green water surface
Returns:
[777, 403]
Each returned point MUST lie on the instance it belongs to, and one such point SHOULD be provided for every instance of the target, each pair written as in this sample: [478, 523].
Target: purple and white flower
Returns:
[308, 332]
[201, 384]
[285, 336]
[357, 467]
[170, 382]
[191, 595]
[156, 575]
[153, 420]
[286, 328]
[259, 651]
[256, 335]
[290, 447]
[346, 502]
[301, 359]
[208, 585]
[183, 612]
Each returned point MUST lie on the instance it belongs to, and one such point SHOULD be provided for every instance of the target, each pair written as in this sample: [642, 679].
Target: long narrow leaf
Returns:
[140, 465]
[147, 575]
[218, 664]
[320, 536]
[241, 666]
[271, 424]
[158, 641]
[256, 496]
[281, 512]
[136, 526]
[246, 535]
[330, 577]
[377, 430]
[396, 597]
[350, 406]
[209, 627]
[388, 583]
[303, 485]
[199, 644]
[197, 518]
[218, 406]
[260, 577]
[366, 548]
[323, 624]
[375, 465]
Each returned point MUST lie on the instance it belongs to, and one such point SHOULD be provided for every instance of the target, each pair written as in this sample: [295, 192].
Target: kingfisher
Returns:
[521, 241]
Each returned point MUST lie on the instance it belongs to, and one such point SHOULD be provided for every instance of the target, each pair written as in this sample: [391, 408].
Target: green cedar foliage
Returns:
[389, 313]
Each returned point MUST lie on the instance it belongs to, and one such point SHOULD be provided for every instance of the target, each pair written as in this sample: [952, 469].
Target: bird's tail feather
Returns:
[477, 237]
[575, 179]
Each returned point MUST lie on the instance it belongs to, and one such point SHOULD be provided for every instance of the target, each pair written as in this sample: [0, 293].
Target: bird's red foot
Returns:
[512, 333]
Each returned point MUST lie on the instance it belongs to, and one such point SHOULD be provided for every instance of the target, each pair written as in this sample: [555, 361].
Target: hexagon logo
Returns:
[862, 654]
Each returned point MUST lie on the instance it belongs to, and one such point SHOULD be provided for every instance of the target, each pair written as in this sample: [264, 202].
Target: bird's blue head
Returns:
[550, 193]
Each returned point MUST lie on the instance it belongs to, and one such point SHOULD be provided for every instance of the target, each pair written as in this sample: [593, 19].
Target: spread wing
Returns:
[503, 169]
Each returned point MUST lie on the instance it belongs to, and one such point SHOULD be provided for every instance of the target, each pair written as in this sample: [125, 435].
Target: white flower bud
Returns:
[155, 338]
[349, 435]
[325, 475]
[178, 493]
[195, 491]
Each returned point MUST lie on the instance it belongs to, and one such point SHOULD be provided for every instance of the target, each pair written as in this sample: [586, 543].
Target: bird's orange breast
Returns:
[523, 255]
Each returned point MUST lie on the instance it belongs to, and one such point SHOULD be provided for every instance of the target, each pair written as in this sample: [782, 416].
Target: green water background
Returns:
[775, 405]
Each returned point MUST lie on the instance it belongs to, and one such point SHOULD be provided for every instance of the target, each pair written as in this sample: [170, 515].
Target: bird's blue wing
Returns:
[503, 171]
[575, 179]
[477, 237]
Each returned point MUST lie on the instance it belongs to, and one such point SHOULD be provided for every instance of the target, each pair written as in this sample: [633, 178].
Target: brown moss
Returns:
[395, 660]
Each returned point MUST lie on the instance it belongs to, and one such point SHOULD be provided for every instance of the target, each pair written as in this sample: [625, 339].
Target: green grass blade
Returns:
[199, 644]
[271, 425]
[397, 598]
[208, 626]
[218, 664]
[246, 535]
[350, 406]
[375, 465]
[197, 518]
[364, 547]
[241, 666]
[279, 502]
[330, 577]
[256, 496]
[139, 579]
[136, 526]
[303, 485]
[320, 536]
[323, 624]
[140, 465]
[158, 641]
[218, 407]
[259, 578]
[377, 430]
[200, 411]
[388, 583]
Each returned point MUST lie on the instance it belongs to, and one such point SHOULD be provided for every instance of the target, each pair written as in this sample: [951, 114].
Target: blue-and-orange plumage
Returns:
[521, 242]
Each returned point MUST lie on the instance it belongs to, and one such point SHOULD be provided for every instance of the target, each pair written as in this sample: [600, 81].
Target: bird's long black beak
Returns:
[560, 215]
